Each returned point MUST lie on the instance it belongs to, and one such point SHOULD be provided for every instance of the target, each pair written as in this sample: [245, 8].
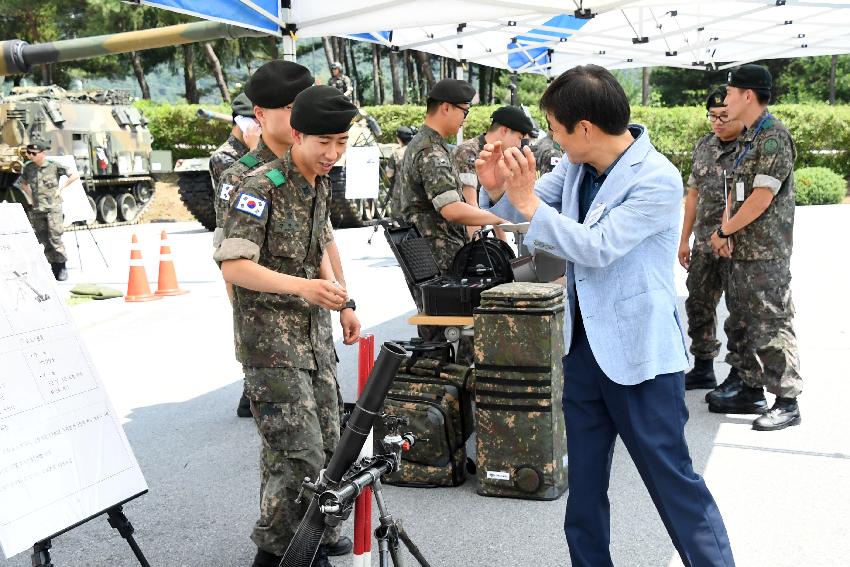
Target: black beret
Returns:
[716, 99]
[241, 105]
[405, 133]
[277, 83]
[514, 118]
[454, 91]
[38, 145]
[321, 110]
[750, 76]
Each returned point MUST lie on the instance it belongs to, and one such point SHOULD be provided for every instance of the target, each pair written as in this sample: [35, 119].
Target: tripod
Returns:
[337, 504]
[96, 243]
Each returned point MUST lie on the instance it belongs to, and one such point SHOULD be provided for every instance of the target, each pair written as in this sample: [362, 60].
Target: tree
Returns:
[217, 71]
[192, 96]
[396, 73]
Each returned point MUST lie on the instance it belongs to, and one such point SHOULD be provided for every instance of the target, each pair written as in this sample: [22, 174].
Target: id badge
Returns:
[739, 191]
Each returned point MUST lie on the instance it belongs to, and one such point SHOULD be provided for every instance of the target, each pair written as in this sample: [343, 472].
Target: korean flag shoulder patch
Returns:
[251, 205]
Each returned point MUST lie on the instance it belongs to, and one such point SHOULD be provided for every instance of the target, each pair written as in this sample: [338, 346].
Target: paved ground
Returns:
[169, 368]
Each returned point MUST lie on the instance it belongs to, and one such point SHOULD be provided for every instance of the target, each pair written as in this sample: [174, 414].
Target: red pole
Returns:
[363, 505]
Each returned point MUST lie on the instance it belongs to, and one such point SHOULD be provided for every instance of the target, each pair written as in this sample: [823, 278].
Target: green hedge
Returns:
[821, 132]
[818, 186]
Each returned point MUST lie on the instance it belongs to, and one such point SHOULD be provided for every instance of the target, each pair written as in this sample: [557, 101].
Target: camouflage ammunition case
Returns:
[432, 396]
[521, 437]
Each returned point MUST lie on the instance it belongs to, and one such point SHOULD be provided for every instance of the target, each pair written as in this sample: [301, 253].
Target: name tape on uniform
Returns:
[250, 204]
[498, 475]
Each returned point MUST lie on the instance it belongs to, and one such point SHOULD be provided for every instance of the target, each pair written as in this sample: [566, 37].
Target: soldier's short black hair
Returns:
[432, 105]
[763, 96]
[588, 92]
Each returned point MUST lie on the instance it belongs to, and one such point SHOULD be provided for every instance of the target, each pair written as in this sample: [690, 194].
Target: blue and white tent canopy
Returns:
[549, 36]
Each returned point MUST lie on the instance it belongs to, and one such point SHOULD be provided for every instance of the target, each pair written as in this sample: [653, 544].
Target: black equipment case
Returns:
[477, 266]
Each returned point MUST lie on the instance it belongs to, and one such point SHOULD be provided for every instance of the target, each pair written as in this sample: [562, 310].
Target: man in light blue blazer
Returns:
[612, 210]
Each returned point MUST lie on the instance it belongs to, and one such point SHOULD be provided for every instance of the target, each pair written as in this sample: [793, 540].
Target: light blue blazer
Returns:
[619, 261]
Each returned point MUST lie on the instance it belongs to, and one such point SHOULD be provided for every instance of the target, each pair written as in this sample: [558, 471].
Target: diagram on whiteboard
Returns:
[63, 453]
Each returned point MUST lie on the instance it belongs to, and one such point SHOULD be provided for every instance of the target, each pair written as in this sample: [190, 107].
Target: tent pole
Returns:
[287, 42]
[459, 71]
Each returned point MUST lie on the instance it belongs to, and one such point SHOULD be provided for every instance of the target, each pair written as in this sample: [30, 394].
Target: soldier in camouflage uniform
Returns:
[403, 136]
[509, 125]
[237, 145]
[547, 154]
[273, 248]
[705, 205]
[340, 82]
[41, 181]
[758, 237]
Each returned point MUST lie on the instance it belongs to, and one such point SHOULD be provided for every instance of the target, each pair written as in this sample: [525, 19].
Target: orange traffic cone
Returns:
[137, 284]
[167, 282]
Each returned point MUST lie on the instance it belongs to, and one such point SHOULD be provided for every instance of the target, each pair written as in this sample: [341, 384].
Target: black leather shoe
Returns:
[244, 407]
[701, 376]
[321, 559]
[784, 413]
[343, 546]
[746, 401]
[730, 387]
[266, 559]
[61, 272]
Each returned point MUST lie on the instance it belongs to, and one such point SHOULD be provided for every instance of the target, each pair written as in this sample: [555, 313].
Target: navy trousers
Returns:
[650, 419]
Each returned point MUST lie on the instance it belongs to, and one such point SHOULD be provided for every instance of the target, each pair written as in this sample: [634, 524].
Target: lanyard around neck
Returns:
[750, 143]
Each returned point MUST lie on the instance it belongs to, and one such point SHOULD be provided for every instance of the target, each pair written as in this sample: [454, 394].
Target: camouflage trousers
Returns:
[48, 229]
[297, 417]
[760, 292]
[707, 275]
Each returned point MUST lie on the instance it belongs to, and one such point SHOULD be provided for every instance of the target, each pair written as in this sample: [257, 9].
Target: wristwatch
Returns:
[720, 232]
[350, 305]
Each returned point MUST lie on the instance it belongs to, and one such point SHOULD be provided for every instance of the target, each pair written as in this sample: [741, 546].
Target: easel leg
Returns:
[97, 245]
[79, 255]
[119, 521]
[41, 554]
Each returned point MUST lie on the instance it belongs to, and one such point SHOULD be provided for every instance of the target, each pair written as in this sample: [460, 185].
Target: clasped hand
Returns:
[511, 171]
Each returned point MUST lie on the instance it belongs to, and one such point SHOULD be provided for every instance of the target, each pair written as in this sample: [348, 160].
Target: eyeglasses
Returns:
[33, 152]
[715, 118]
[462, 109]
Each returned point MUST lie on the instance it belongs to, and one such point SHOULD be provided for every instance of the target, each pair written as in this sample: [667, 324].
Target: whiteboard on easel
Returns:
[63, 453]
[75, 202]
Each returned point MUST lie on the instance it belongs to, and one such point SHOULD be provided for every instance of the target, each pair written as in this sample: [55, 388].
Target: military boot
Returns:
[747, 400]
[701, 376]
[60, 272]
[321, 559]
[266, 559]
[784, 413]
[730, 387]
[244, 407]
[343, 546]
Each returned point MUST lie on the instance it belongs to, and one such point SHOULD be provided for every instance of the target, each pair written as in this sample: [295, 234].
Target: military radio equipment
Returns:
[336, 477]
[105, 134]
[521, 439]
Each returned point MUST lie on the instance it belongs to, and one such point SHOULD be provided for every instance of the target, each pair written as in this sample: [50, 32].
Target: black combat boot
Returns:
[321, 559]
[343, 546]
[60, 272]
[244, 407]
[747, 400]
[784, 413]
[701, 376]
[266, 559]
[729, 388]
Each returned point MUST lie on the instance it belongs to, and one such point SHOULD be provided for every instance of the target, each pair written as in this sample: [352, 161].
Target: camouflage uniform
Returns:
[393, 173]
[342, 83]
[464, 156]
[429, 182]
[230, 177]
[760, 276]
[279, 221]
[546, 155]
[707, 273]
[47, 219]
[222, 158]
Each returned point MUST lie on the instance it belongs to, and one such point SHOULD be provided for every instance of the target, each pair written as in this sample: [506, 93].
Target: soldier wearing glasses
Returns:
[431, 191]
[41, 183]
[705, 203]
